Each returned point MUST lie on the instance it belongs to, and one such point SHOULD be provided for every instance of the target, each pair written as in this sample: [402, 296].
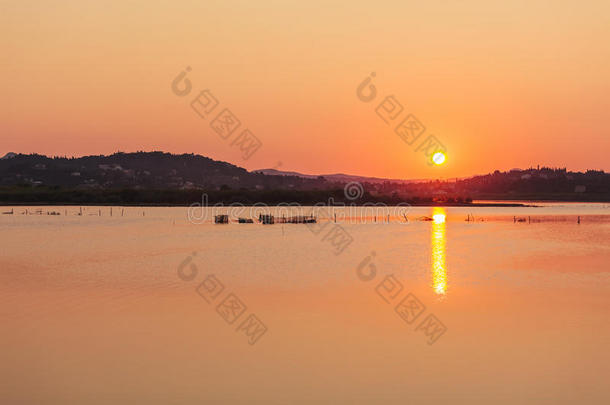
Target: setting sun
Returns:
[438, 158]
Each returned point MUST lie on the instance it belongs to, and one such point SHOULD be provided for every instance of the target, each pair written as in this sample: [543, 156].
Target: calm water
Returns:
[100, 309]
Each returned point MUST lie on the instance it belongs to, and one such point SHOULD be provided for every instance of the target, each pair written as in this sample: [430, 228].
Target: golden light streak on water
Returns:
[439, 271]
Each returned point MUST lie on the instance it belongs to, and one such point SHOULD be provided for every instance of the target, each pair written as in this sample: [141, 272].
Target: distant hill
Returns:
[338, 177]
[143, 170]
[274, 172]
[543, 183]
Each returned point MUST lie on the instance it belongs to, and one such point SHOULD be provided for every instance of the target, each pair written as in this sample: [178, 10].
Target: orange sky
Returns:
[502, 85]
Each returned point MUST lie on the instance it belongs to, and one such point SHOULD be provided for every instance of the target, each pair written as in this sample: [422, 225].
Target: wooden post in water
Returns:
[579, 219]
[335, 217]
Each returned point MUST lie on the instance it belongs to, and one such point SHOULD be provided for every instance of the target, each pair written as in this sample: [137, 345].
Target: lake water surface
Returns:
[146, 306]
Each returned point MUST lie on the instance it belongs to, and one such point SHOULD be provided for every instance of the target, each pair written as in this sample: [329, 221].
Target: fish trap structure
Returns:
[266, 219]
[299, 219]
[221, 219]
[245, 221]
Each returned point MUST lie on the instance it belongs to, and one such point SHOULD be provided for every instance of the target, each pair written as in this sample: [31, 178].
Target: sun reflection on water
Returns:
[439, 272]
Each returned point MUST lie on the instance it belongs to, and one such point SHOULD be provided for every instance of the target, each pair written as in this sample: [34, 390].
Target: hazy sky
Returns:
[500, 84]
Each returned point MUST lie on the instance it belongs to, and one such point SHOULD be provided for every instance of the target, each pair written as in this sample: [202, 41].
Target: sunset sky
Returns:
[501, 84]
